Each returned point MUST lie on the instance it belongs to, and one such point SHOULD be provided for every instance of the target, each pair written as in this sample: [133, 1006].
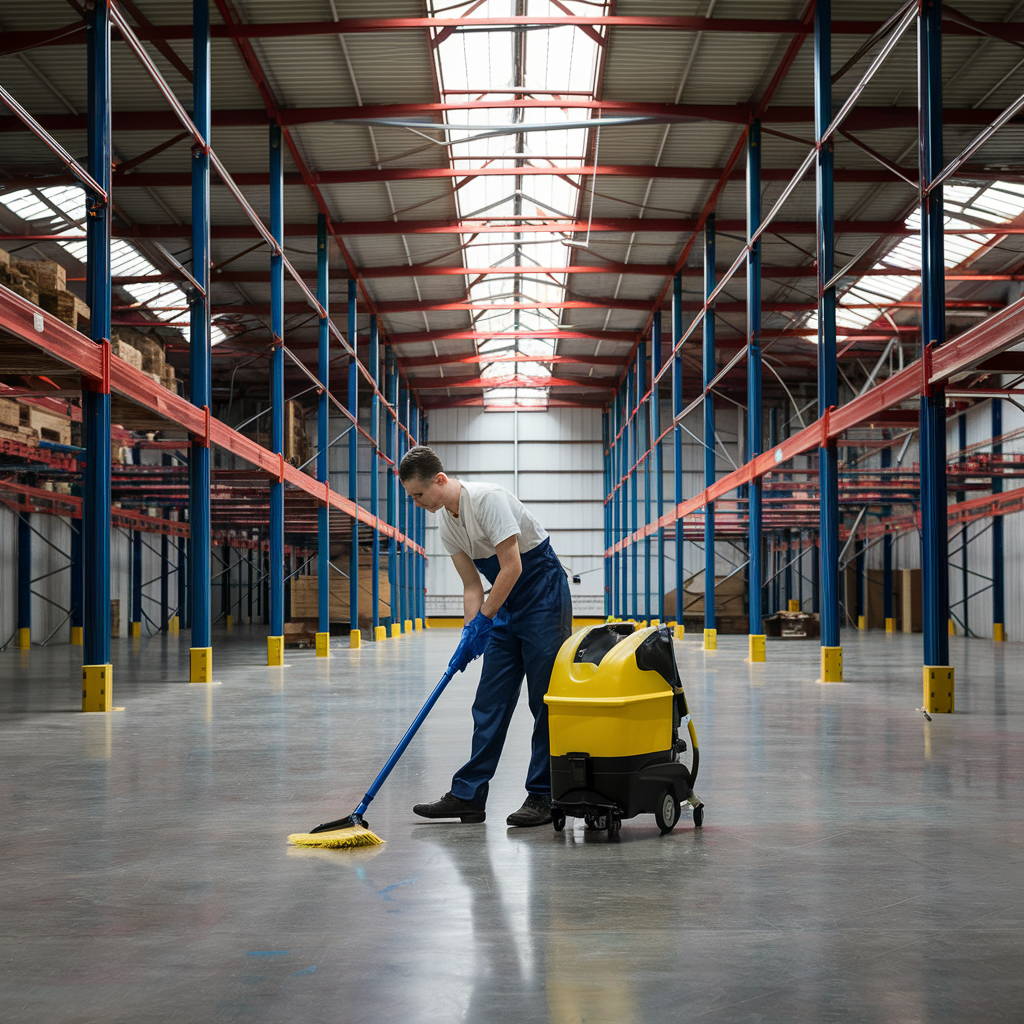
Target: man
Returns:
[518, 627]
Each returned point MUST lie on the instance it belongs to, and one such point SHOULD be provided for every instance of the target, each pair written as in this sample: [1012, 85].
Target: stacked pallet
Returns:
[30, 424]
[44, 283]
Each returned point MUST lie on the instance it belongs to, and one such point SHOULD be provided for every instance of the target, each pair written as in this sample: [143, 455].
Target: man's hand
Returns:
[472, 643]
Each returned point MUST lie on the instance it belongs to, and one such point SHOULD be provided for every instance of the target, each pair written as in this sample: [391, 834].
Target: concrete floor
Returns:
[856, 864]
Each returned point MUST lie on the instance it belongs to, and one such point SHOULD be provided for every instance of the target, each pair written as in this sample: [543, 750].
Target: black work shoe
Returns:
[536, 810]
[452, 807]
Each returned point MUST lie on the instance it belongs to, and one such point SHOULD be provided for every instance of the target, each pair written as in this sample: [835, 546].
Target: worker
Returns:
[518, 626]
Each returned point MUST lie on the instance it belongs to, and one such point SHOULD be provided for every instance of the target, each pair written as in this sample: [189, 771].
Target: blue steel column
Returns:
[407, 552]
[135, 629]
[828, 374]
[659, 483]
[934, 546]
[77, 578]
[755, 572]
[677, 408]
[998, 588]
[887, 587]
[605, 440]
[374, 368]
[643, 443]
[275, 641]
[390, 449]
[413, 518]
[96, 403]
[710, 631]
[200, 667]
[24, 582]
[323, 439]
[630, 450]
[614, 492]
[353, 466]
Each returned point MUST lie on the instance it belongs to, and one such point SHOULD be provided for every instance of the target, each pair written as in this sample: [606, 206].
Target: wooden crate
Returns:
[67, 307]
[124, 351]
[305, 597]
[48, 275]
[115, 617]
[49, 426]
[10, 413]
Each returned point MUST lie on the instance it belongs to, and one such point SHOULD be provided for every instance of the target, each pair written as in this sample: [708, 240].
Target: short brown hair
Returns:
[419, 463]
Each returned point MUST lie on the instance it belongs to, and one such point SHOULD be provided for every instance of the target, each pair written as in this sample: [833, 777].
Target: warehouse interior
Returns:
[728, 293]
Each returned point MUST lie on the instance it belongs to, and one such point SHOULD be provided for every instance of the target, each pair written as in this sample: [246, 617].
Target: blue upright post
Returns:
[183, 573]
[642, 423]
[677, 408]
[828, 374]
[710, 629]
[605, 442]
[755, 545]
[998, 587]
[887, 581]
[77, 578]
[201, 653]
[323, 440]
[632, 415]
[275, 641]
[390, 449]
[938, 674]
[96, 671]
[407, 554]
[614, 490]
[659, 483]
[413, 578]
[402, 447]
[374, 368]
[135, 627]
[353, 468]
[24, 582]
[961, 429]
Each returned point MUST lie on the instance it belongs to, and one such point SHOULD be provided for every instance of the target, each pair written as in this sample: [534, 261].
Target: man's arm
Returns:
[511, 568]
[472, 588]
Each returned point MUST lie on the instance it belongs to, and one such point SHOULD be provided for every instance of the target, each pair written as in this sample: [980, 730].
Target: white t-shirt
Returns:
[488, 514]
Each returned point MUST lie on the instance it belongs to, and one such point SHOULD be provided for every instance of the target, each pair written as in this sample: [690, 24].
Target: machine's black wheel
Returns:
[667, 813]
[591, 820]
[698, 816]
[558, 820]
[614, 825]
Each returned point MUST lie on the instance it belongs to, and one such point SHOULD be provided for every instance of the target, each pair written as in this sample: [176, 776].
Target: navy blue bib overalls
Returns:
[531, 626]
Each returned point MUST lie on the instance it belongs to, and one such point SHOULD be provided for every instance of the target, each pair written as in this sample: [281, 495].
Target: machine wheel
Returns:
[667, 813]
[698, 816]
[591, 820]
[614, 825]
[558, 820]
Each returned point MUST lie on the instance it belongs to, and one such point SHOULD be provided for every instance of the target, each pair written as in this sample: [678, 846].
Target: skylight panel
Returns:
[560, 58]
[37, 207]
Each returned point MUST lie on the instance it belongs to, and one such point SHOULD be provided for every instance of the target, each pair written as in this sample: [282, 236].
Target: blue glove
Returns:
[473, 642]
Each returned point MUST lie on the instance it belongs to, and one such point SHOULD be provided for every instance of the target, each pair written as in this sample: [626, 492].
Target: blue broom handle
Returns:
[405, 741]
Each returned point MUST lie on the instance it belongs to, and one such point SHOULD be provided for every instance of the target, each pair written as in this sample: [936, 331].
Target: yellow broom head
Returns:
[339, 839]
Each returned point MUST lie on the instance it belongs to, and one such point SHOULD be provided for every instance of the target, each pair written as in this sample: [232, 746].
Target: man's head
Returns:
[423, 477]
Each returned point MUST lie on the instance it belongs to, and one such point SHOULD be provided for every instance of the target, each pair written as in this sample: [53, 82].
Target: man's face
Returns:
[426, 493]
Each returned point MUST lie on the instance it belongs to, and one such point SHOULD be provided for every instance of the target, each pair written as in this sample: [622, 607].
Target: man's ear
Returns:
[441, 478]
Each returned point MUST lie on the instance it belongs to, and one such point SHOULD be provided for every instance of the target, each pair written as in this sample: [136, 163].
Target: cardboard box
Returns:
[49, 426]
[67, 307]
[48, 275]
[124, 351]
[305, 597]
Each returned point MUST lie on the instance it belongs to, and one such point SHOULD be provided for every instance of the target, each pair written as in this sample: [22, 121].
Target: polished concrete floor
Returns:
[857, 863]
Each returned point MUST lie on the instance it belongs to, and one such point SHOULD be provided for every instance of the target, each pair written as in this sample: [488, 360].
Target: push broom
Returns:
[353, 831]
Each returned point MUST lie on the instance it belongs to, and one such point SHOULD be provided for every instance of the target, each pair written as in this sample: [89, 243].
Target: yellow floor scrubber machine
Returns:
[615, 710]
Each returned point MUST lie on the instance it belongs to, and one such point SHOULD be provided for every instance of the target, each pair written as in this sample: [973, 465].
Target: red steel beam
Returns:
[375, 175]
[995, 334]
[74, 34]
[623, 225]
[515, 381]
